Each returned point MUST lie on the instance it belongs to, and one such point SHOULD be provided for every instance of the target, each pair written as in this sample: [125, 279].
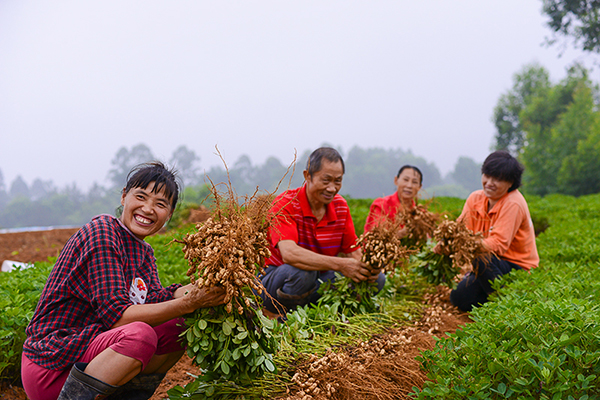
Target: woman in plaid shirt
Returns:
[104, 325]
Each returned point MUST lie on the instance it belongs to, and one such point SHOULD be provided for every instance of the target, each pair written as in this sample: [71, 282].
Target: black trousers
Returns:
[474, 290]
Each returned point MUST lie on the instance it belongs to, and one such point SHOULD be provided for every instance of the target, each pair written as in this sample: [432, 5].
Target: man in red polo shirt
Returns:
[313, 227]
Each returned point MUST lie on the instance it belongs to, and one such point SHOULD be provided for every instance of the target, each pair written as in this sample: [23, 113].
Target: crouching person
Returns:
[500, 212]
[105, 327]
[312, 227]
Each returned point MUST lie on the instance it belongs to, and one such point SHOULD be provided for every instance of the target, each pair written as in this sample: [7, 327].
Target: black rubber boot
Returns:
[81, 386]
[141, 387]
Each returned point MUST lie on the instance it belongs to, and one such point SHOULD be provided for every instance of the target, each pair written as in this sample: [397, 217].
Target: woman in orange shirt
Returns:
[408, 182]
[499, 211]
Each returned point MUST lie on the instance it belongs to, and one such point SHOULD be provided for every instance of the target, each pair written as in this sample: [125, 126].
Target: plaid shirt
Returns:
[88, 291]
[295, 221]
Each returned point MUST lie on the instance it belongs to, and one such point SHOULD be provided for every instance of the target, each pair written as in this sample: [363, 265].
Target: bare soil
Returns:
[400, 346]
[33, 246]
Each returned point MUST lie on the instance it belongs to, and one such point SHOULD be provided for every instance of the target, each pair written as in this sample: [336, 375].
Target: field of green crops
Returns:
[538, 339]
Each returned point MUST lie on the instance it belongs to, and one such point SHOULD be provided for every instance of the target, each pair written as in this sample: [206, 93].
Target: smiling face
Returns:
[324, 184]
[145, 212]
[494, 188]
[408, 185]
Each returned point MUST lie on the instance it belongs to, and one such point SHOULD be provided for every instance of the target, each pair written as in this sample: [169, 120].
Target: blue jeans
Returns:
[474, 290]
[293, 287]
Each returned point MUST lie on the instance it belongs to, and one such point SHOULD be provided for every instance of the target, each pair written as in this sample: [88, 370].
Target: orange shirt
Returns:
[382, 208]
[507, 227]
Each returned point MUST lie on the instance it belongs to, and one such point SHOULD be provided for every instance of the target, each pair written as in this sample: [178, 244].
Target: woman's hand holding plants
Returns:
[402, 232]
[203, 298]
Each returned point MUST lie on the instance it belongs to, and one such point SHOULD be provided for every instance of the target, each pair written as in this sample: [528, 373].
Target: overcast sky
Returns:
[80, 79]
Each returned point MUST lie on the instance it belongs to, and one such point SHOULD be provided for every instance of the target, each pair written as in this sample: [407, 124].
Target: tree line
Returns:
[369, 174]
[554, 130]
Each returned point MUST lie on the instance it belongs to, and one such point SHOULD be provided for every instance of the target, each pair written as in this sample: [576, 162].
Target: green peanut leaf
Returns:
[225, 367]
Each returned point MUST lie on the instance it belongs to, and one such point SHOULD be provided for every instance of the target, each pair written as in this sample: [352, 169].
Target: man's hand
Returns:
[203, 298]
[465, 269]
[355, 270]
[374, 275]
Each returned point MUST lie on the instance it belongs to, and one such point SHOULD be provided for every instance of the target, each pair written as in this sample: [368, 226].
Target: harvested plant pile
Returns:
[229, 249]
[419, 224]
[382, 248]
[459, 243]
[381, 368]
[455, 246]
[232, 342]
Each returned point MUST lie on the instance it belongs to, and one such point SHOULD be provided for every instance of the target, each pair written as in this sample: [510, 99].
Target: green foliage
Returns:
[558, 123]
[437, 269]
[349, 298]
[576, 19]
[579, 171]
[196, 195]
[172, 267]
[259, 389]
[573, 232]
[308, 330]
[66, 207]
[450, 206]
[313, 329]
[247, 178]
[234, 347]
[554, 129]
[467, 173]
[192, 197]
[359, 209]
[540, 336]
[538, 343]
[20, 291]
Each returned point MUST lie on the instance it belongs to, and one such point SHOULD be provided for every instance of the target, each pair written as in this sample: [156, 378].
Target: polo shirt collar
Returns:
[330, 214]
[483, 208]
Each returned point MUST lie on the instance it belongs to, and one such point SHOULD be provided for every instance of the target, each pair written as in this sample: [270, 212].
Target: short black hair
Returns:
[313, 165]
[407, 166]
[503, 166]
[164, 178]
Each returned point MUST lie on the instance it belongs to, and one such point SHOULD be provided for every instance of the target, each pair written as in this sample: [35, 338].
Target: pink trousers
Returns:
[137, 340]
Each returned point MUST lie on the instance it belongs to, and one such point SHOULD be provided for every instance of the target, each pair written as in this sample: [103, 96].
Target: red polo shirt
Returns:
[332, 235]
[384, 208]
